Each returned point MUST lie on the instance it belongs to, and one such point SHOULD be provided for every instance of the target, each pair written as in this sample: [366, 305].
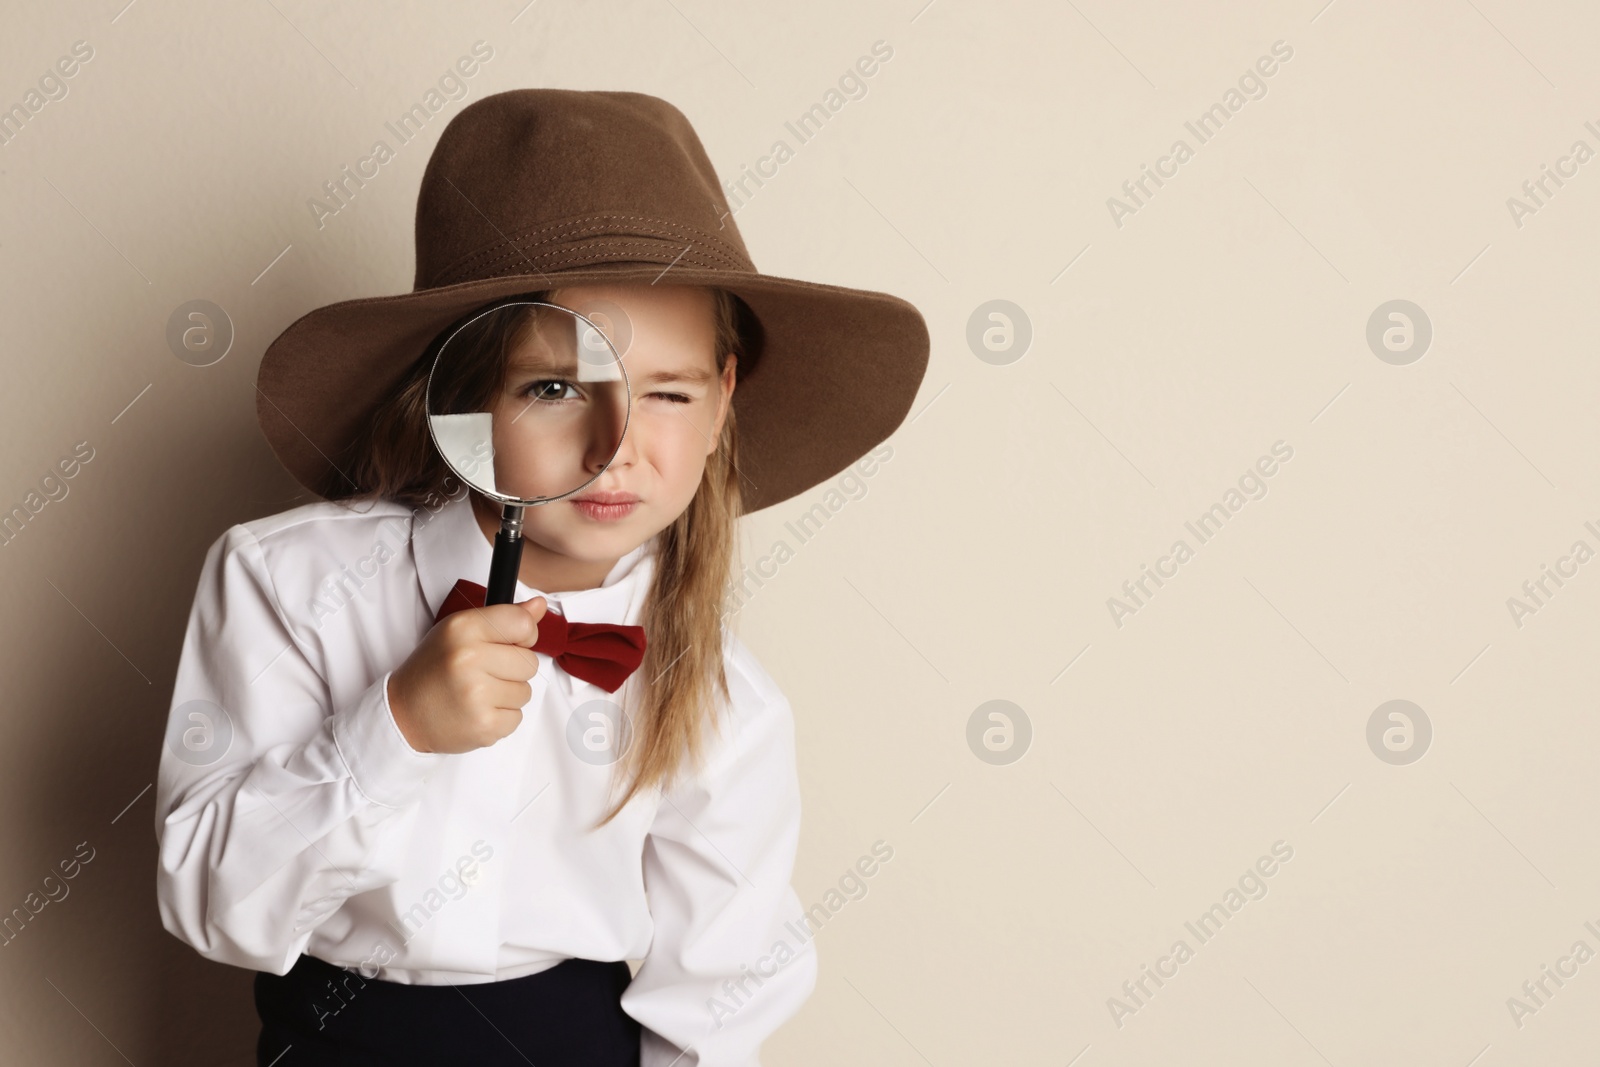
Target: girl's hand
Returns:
[464, 686]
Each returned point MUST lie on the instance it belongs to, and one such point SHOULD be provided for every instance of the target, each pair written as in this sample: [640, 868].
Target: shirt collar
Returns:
[449, 544]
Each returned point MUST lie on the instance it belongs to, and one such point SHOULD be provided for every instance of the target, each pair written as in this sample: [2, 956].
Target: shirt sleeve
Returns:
[271, 807]
[731, 958]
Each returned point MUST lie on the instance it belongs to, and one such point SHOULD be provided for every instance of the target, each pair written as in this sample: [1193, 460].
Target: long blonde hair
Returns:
[682, 672]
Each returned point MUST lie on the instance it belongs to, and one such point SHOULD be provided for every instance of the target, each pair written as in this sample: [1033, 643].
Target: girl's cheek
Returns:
[673, 441]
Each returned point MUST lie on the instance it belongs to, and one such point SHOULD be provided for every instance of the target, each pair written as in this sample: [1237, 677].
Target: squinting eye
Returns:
[676, 398]
[547, 389]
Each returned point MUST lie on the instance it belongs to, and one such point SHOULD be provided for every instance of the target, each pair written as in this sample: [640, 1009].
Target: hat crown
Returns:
[533, 181]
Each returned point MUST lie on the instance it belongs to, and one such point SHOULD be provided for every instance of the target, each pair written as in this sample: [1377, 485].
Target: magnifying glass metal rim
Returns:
[506, 563]
[427, 400]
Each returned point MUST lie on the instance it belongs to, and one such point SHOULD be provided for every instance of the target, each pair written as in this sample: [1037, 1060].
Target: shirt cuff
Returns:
[385, 767]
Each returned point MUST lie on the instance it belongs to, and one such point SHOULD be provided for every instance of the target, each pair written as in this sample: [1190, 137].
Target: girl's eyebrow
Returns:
[699, 375]
[537, 364]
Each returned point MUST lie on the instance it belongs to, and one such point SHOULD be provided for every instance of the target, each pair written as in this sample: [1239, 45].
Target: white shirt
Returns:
[298, 818]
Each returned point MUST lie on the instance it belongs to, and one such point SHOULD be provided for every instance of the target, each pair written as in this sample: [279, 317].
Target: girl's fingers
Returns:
[512, 696]
[511, 663]
[510, 624]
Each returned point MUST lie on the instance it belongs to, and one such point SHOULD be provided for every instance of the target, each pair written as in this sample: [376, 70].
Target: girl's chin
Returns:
[590, 541]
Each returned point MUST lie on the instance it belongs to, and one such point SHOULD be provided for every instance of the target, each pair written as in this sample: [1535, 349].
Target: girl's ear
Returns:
[724, 398]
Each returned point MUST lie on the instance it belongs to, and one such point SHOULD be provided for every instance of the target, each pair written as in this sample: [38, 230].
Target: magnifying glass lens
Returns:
[528, 402]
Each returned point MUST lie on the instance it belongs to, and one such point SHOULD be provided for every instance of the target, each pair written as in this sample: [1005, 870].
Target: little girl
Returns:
[433, 843]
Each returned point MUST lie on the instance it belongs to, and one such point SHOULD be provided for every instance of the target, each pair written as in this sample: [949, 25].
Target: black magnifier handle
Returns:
[507, 563]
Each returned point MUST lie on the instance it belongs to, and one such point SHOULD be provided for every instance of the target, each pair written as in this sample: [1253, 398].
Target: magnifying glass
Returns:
[527, 402]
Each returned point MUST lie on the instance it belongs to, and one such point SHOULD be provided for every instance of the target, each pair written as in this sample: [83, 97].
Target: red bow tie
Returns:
[604, 653]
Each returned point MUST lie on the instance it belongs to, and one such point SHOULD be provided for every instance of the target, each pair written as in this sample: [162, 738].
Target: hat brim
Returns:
[837, 371]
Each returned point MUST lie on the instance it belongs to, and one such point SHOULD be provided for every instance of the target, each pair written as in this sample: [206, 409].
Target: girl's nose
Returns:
[605, 438]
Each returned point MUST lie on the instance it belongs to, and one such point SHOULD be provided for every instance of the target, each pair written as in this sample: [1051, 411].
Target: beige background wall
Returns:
[1168, 354]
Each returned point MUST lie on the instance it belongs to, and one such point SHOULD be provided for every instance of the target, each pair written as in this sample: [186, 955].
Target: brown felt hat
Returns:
[536, 189]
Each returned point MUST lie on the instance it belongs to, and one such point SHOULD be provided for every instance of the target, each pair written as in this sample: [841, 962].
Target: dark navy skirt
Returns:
[321, 1014]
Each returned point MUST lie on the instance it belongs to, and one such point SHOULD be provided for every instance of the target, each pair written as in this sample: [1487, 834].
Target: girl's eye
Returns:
[676, 398]
[549, 389]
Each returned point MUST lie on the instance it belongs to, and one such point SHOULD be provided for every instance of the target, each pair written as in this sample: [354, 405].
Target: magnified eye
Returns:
[550, 389]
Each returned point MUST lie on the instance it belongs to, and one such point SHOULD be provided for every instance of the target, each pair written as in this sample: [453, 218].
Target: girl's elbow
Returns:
[239, 942]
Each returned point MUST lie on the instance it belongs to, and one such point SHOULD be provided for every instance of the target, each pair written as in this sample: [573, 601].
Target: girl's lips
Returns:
[602, 512]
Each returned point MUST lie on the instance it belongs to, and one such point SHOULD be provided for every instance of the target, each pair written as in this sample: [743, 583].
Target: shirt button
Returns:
[471, 876]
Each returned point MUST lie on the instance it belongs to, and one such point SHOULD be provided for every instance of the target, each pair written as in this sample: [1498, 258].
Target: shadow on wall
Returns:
[100, 556]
